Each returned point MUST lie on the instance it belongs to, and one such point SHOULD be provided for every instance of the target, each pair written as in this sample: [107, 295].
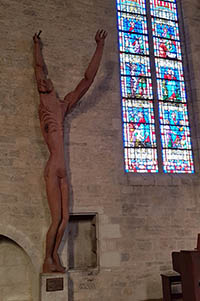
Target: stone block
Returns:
[53, 286]
[141, 180]
[163, 180]
[110, 259]
[16, 293]
[125, 257]
[110, 231]
[116, 123]
[17, 298]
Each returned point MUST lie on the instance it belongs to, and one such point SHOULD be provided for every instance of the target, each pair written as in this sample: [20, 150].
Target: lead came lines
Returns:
[136, 87]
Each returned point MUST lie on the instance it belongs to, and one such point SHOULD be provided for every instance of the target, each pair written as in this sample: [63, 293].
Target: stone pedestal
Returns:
[54, 286]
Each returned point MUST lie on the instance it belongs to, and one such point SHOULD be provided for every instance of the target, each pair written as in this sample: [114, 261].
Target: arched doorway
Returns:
[16, 272]
[19, 266]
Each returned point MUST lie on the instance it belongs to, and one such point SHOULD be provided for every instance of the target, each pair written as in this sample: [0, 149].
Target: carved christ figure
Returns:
[52, 112]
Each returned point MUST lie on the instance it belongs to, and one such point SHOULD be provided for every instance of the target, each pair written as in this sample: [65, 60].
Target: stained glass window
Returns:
[132, 23]
[132, 6]
[165, 29]
[163, 9]
[167, 48]
[133, 43]
[141, 104]
[136, 87]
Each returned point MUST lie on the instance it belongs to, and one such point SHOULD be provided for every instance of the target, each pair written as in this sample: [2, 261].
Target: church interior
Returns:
[131, 201]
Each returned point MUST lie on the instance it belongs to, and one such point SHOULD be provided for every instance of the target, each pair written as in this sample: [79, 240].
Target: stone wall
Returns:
[16, 272]
[142, 218]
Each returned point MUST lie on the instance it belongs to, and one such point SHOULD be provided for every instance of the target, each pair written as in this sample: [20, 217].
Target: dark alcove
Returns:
[83, 241]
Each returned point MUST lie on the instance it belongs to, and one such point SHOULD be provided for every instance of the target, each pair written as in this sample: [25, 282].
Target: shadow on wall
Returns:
[84, 106]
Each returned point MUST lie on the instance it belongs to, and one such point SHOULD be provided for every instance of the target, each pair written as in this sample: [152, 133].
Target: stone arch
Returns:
[25, 243]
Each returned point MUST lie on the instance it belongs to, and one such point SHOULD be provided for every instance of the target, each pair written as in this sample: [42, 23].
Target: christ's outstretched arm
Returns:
[73, 97]
[44, 84]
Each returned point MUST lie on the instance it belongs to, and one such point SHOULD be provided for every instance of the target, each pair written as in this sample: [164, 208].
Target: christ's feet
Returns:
[50, 266]
[57, 262]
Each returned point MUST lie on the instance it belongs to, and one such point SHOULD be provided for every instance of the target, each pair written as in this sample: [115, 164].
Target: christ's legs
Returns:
[64, 217]
[54, 200]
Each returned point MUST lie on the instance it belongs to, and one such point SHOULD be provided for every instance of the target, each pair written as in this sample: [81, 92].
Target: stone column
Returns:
[53, 286]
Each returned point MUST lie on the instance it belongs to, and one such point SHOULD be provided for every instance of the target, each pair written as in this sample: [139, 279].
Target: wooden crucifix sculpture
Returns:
[52, 112]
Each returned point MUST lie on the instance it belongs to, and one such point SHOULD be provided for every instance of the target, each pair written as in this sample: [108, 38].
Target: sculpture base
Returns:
[53, 286]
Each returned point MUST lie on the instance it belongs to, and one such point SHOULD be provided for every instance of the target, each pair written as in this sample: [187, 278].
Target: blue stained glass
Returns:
[167, 48]
[174, 124]
[134, 65]
[132, 6]
[133, 43]
[169, 70]
[141, 160]
[132, 23]
[136, 87]
[139, 135]
[163, 9]
[178, 161]
[174, 114]
[137, 94]
[137, 111]
[171, 90]
[175, 137]
[165, 29]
